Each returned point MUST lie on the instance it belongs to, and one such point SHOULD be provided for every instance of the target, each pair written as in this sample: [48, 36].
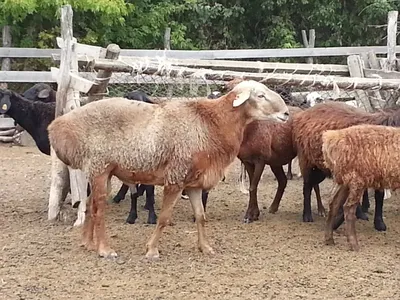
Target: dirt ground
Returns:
[278, 257]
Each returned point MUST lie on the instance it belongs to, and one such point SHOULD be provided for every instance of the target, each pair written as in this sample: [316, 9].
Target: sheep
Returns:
[359, 157]
[313, 98]
[140, 189]
[214, 95]
[188, 145]
[287, 97]
[268, 142]
[40, 92]
[33, 116]
[138, 95]
[308, 127]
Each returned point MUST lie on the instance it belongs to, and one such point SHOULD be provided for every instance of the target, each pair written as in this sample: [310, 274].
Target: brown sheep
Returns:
[178, 144]
[308, 127]
[268, 142]
[287, 97]
[360, 157]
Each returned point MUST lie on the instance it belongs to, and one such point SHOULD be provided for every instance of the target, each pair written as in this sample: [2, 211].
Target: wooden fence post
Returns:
[6, 62]
[103, 76]
[67, 99]
[167, 38]
[309, 43]
[391, 40]
[356, 69]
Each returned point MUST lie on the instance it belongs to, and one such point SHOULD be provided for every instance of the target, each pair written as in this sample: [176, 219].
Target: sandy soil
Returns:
[278, 257]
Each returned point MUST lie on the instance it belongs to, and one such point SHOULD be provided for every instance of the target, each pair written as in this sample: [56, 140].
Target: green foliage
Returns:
[200, 24]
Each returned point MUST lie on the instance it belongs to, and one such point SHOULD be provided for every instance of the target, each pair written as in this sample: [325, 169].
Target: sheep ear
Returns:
[241, 98]
[44, 94]
[5, 104]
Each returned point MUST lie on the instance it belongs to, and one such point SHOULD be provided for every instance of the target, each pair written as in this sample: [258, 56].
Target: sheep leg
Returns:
[314, 177]
[282, 182]
[170, 197]
[150, 201]
[133, 211]
[195, 197]
[321, 208]
[253, 212]
[336, 203]
[359, 213]
[59, 186]
[349, 208]
[378, 219]
[204, 198]
[88, 225]
[99, 195]
[121, 193]
[289, 175]
[365, 202]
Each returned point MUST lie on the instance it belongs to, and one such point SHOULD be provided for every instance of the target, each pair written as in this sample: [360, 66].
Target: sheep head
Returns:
[259, 102]
[313, 98]
[5, 102]
[39, 92]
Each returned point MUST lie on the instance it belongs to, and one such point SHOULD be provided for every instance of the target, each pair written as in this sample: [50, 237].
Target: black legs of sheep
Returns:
[121, 194]
[311, 180]
[140, 189]
[361, 210]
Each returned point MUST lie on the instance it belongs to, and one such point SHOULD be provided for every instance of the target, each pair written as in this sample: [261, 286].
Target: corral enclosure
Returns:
[277, 257]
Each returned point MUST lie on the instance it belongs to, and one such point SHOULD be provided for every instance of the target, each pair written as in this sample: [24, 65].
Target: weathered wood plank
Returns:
[373, 73]
[356, 69]
[201, 54]
[124, 65]
[391, 40]
[6, 123]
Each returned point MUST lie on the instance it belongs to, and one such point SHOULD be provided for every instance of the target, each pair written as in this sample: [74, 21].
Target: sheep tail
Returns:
[242, 179]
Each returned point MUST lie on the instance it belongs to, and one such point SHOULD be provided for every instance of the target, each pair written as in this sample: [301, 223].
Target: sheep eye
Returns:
[262, 96]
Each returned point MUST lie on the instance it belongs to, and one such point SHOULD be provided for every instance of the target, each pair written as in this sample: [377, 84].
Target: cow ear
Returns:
[241, 98]
[44, 94]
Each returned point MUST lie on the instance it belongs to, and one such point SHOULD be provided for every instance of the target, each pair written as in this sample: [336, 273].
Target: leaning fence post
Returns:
[103, 76]
[67, 98]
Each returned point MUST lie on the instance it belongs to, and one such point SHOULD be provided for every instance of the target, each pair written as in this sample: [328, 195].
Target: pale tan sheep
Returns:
[178, 144]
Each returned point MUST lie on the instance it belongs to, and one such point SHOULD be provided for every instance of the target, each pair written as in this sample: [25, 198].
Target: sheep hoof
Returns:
[360, 214]
[307, 218]
[251, 215]
[152, 254]
[322, 212]
[88, 245]
[329, 241]
[379, 225]
[131, 219]
[272, 209]
[152, 219]
[249, 220]
[354, 247]
[107, 253]
[206, 249]
[117, 199]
